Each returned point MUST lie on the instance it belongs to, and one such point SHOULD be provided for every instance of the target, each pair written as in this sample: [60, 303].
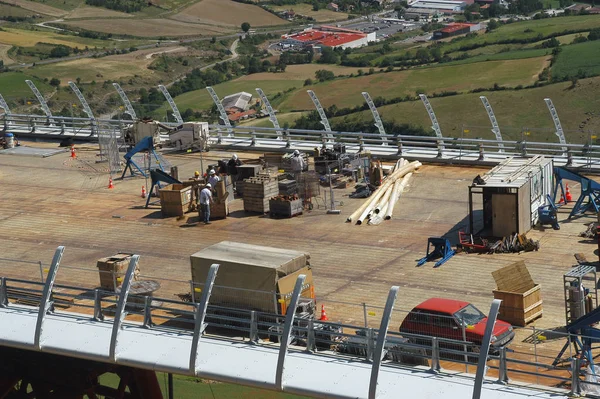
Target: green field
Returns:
[347, 92]
[515, 110]
[194, 388]
[507, 55]
[283, 118]
[8, 10]
[13, 86]
[577, 59]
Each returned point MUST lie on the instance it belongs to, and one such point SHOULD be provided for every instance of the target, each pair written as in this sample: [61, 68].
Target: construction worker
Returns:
[205, 201]
[232, 169]
[195, 186]
[213, 178]
[297, 164]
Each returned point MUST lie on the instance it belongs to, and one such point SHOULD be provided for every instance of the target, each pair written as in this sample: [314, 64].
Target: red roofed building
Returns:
[329, 36]
[454, 30]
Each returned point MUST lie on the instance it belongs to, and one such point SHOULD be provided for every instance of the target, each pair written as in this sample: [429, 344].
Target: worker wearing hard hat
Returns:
[213, 178]
[232, 169]
[297, 164]
[205, 201]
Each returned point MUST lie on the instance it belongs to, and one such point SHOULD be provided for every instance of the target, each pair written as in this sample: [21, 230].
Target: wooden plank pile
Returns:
[380, 205]
[257, 193]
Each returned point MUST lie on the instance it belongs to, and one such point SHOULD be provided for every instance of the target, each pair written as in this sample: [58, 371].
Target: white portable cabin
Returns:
[511, 194]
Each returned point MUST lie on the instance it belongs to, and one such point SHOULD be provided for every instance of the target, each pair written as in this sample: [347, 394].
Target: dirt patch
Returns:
[95, 12]
[4, 54]
[169, 50]
[227, 12]
[37, 7]
[148, 27]
[546, 64]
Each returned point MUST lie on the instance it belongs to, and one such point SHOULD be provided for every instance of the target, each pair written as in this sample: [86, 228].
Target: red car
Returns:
[445, 318]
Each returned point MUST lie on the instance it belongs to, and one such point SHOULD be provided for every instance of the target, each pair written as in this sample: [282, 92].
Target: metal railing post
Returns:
[323, 140]
[481, 153]
[98, 306]
[502, 367]
[288, 143]
[148, 312]
[253, 327]
[253, 142]
[192, 292]
[435, 355]
[370, 341]
[3, 293]
[361, 143]
[365, 313]
[311, 344]
[219, 137]
[400, 149]
[41, 271]
[569, 157]
[575, 388]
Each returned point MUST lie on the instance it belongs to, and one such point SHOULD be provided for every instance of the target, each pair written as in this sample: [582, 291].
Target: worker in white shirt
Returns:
[213, 178]
[297, 164]
[205, 201]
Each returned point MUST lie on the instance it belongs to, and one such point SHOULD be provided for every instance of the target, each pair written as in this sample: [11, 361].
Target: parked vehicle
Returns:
[453, 320]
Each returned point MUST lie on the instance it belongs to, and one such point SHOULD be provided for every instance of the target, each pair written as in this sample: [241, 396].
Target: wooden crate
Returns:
[521, 297]
[520, 308]
[175, 200]
[218, 210]
[285, 208]
[114, 265]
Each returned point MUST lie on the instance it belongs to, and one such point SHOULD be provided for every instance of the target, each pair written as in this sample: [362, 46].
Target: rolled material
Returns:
[366, 209]
[399, 186]
[384, 199]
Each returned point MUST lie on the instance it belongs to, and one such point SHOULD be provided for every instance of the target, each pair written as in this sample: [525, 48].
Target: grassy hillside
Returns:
[582, 59]
[13, 86]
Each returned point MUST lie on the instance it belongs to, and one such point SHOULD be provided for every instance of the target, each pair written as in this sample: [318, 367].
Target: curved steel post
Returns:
[40, 98]
[559, 130]
[321, 112]
[201, 314]
[222, 112]
[120, 311]
[485, 347]
[4, 106]
[381, 337]
[378, 121]
[82, 100]
[434, 122]
[270, 110]
[45, 302]
[171, 102]
[287, 331]
[493, 121]
[125, 100]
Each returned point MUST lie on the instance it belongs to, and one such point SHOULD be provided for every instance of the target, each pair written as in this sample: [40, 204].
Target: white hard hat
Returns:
[208, 185]
[212, 172]
[296, 152]
[234, 156]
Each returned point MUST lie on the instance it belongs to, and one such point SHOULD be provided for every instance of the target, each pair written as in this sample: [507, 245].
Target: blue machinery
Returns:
[583, 336]
[157, 177]
[144, 145]
[590, 191]
[548, 213]
[437, 247]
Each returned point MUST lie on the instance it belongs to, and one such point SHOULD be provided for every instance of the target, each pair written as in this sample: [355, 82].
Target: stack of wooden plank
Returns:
[288, 187]
[257, 192]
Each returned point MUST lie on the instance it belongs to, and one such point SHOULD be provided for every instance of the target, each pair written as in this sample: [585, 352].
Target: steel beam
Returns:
[4, 106]
[321, 112]
[271, 111]
[381, 338]
[221, 110]
[171, 102]
[286, 337]
[559, 130]
[434, 122]
[201, 315]
[494, 122]
[45, 303]
[125, 100]
[40, 98]
[120, 311]
[485, 348]
[82, 100]
[378, 121]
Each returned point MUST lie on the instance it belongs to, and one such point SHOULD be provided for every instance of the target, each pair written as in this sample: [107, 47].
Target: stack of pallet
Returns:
[257, 192]
[288, 187]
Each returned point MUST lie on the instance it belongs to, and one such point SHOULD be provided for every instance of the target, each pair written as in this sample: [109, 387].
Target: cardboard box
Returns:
[112, 270]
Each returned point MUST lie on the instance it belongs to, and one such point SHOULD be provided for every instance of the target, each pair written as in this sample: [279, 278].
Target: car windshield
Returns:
[469, 315]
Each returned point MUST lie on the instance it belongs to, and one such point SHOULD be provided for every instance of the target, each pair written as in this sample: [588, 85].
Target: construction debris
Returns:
[514, 243]
[591, 231]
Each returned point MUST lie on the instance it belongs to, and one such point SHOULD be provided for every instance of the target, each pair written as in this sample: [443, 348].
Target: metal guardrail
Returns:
[446, 149]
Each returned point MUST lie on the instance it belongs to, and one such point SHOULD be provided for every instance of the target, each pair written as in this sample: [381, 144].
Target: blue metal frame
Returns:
[145, 145]
[590, 191]
[441, 249]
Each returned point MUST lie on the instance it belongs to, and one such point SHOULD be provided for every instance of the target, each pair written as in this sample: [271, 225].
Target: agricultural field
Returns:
[302, 72]
[96, 12]
[29, 38]
[13, 86]
[38, 7]
[6, 10]
[114, 67]
[227, 12]
[578, 59]
[4, 57]
[148, 27]
[346, 92]
[306, 10]
[285, 118]
[507, 55]
[520, 113]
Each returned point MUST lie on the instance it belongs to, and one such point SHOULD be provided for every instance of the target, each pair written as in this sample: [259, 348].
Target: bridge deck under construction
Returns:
[57, 200]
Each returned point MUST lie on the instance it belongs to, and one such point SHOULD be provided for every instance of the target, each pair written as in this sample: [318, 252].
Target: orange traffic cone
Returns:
[568, 195]
[73, 151]
[110, 183]
[143, 191]
[323, 314]
[562, 199]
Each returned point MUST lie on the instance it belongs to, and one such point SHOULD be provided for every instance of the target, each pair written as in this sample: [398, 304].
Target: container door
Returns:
[504, 209]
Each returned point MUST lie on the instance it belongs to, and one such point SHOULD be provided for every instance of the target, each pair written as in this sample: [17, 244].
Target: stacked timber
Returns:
[257, 193]
[380, 205]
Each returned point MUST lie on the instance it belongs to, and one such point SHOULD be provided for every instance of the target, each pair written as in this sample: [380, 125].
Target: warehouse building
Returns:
[455, 29]
[445, 6]
[328, 36]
